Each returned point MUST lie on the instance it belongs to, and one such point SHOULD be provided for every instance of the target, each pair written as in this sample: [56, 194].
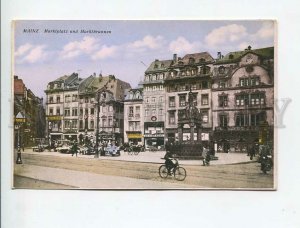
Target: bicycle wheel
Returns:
[163, 171]
[180, 173]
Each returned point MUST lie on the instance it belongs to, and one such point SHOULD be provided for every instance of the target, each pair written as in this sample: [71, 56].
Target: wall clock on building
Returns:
[153, 118]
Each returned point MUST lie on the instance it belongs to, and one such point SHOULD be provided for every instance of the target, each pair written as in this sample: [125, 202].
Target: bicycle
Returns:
[178, 171]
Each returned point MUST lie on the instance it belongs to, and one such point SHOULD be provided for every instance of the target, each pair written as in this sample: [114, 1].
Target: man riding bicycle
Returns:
[169, 161]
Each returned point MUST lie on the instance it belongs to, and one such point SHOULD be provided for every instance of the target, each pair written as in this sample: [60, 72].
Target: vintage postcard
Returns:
[143, 104]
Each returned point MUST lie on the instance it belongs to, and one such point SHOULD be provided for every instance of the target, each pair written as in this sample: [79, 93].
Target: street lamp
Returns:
[97, 126]
[19, 120]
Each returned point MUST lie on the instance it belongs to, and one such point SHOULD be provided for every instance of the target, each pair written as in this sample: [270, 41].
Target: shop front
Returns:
[135, 138]
[154, 135]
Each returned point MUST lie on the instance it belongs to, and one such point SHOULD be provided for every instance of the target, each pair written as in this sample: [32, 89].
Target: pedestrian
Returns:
[74, 149]
[252, 152]
[206, 156]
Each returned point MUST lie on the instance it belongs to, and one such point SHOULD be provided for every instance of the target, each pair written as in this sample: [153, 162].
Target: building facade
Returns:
[72, 108]
[33, 112]
[154, 104]
[134, 117]
[243, 99]
[62, 107]
[190, 73]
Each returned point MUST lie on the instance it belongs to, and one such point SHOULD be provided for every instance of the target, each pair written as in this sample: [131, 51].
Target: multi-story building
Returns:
[190, 73]
[31, 108]
[62, 107]
[243, 98]
[134, 117]
[111, 116]
[154, 103]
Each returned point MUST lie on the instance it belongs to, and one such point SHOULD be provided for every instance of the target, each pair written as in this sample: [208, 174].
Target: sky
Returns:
[122, 48]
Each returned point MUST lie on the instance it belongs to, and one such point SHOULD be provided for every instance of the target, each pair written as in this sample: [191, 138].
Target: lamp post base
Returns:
[19, 159]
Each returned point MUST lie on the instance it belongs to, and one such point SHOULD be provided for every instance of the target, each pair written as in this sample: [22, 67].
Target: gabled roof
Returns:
[267, 53]
[159, 65]
[197, 57]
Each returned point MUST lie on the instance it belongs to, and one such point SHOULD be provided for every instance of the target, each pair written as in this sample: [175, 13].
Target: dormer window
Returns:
[155, 66]
[202, 60]
[221, 70]
[231, 56]
[191, 60]
[180, 63]
[162, 65]
[154, 77]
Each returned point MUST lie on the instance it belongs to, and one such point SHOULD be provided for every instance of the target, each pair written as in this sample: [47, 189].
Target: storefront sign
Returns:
[53, 118]
[20, 120]
[134, 136]
[154, 135]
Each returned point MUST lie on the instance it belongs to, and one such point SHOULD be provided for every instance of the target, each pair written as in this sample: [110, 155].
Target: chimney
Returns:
[249, 47]
[175, 58]
[219, 55]
[94, 74]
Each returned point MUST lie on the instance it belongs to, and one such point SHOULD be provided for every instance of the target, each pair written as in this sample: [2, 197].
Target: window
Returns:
[137, 111]
[204, 85]
[221, 70]
[153, 88]
[110, 122]
[67, 124]
[50, 111]
[257, 99]
[204, 99]
[131, 111]
[204, 70]
[50, 99]
[58, 99]
[191, 60]
[153, 112]
[154, 77]
[86, 111]
[241, 120]
[81, 112]
[153, 100]
[104, 109]
[74, 124]
[254, 81]
[147, 99]
[146, 78]
[86, 100]
[104, 122]
[244, 82]
[74, 97]
[223, 120]
[146, 112]
[182, 88]
[194, 86]
[171, 102]
[223, 101]
[110, 108]
[92, 111]
[74, 111]
[241, 100]
[67, 98]
[171, 117]
[58, 111]
[161, 87]
[204, 114]
[67, 112]
[182, 100]
[254, 119]
[195, 99]
[160, 112]
[81, 124]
